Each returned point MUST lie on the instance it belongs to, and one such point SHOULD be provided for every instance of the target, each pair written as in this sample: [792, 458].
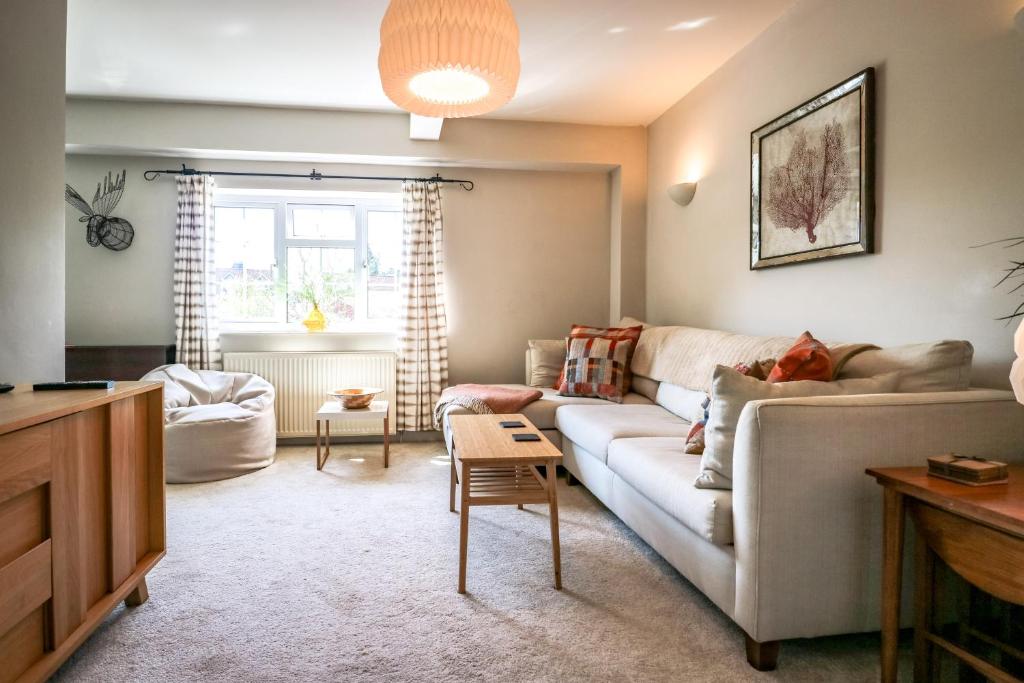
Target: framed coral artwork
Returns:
[812, 178]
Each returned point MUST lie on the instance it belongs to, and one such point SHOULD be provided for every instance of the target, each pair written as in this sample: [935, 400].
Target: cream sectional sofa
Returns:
[794, 549]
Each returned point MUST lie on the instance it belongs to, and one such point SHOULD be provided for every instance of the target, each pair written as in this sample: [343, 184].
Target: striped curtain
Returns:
[423, 335]
[195, 307]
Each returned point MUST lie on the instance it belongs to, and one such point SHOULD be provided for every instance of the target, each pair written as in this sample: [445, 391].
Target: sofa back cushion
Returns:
[936, 366]
[645, 386]
[731, 393]
[686, 403]
[544, 362]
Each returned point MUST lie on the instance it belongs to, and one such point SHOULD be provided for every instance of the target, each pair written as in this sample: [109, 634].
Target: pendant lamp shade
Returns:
[449, 58]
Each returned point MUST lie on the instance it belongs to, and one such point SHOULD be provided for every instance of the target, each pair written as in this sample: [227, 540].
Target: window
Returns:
[275, 255]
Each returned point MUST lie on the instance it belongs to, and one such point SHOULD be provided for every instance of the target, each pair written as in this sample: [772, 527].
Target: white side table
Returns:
[332, 410]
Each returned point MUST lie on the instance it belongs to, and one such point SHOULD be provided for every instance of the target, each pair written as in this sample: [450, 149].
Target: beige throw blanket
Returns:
[687, 356]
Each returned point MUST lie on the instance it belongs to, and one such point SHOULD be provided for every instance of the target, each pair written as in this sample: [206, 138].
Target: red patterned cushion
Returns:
[808, 359]
[631, 334]
[596, 367]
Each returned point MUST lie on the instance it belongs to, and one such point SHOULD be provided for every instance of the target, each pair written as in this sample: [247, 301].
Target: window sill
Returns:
[299, 330]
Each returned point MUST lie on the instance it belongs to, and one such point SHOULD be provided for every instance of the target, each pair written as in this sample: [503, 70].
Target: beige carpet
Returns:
[349, 575]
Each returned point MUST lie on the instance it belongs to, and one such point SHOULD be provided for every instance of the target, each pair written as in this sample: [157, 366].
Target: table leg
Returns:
[387, 439]
[520, 505]
[556, 551]
[319, 464]
[327, 439]
[451, 488]
[464, 527]
[924, 576]
[892, 573]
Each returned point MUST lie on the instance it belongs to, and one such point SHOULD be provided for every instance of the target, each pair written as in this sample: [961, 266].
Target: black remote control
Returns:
[525, 437]
[511, 424]
[82, 384]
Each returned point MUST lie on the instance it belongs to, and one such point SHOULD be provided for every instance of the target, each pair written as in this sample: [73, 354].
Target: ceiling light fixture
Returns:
[449, 58]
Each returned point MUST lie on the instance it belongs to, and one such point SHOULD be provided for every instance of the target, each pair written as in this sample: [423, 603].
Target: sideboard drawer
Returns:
[25, 460]
[23, 523]
[25, 587]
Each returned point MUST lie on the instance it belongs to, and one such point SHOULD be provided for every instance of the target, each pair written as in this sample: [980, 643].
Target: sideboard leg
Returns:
[762, 656]
[139, 595]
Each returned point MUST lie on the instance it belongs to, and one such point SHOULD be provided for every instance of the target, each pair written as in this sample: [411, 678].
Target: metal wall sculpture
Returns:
[114, 233]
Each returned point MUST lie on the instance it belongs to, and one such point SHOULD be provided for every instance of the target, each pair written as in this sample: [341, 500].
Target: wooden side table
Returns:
[494, 469]
[332, 410]
[978, 531]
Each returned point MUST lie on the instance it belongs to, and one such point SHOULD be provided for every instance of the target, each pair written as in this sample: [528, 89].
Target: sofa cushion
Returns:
[733, 391]
[592, 428]
[938, 366]
[547, 359]
[645, 386]
[542, 413]
[686, 403]
[660, 470]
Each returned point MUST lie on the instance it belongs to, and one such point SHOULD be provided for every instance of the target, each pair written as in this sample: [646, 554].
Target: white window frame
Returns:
[284, 203]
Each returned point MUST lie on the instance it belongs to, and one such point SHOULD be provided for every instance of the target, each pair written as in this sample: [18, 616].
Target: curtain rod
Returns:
[153, 174]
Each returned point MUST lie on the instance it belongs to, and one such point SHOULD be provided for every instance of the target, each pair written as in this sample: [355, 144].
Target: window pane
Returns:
[325, 275]
[324, 222]
[383, 261]
[244, 262]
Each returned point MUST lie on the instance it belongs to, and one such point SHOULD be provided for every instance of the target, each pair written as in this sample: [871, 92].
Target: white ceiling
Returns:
[584, 61]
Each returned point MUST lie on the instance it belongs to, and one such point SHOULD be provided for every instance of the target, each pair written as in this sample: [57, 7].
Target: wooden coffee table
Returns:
[493, 469]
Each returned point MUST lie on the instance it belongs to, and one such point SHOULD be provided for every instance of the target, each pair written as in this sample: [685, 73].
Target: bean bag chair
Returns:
[217, 424]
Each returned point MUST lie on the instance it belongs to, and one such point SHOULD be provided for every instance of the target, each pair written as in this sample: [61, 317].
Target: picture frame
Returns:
[812, 178]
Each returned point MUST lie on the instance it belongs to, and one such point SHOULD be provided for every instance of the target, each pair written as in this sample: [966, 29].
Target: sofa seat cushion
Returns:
[660, 470]
[542, 411]
[592, 428]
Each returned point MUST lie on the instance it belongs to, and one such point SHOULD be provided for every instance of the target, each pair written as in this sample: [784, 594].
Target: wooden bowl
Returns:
[356, 397]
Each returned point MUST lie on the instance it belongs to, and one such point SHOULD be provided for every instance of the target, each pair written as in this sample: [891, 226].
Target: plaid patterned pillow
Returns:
[596, 367]
[631, 334]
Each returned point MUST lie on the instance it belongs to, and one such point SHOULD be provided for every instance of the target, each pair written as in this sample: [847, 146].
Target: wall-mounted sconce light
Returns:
[682, 193]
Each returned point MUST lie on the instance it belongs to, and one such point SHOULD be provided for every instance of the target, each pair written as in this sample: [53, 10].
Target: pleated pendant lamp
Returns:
[449, 58]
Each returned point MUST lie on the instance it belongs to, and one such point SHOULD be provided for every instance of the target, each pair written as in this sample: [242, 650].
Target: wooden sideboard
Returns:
[82, 516]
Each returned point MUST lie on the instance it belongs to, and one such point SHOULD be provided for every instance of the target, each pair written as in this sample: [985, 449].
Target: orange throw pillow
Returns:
[808, 359]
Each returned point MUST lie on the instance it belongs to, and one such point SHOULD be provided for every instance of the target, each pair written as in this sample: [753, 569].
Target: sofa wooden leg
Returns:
[570, 480]
[762, 656]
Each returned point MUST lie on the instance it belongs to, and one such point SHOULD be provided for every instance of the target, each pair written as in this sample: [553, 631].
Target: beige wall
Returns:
[512, 245]
[321, 136]
[950, 160]
[31, 178]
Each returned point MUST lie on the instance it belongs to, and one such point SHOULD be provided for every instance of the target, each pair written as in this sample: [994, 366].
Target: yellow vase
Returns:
[315, 321]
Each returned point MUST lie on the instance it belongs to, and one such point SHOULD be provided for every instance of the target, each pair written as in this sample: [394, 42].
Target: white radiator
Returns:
[302, 381]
